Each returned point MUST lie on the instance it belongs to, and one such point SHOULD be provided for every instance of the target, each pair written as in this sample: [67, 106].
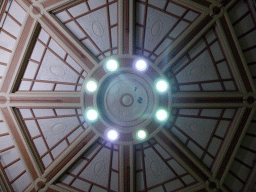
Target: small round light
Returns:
[92, 115]
[141, 65]
[112, 135]
[162, 86]
[141, 135]
[112, 65]
[91, 86]
[161, 115]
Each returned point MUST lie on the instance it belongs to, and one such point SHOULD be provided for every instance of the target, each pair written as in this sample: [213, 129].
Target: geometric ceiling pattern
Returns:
[206, 49]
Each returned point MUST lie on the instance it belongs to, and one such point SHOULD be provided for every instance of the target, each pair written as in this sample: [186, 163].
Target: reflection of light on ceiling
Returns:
[91, 86]
[161, 86]
[161, 115]
[92, 115]
[141, 134]
[141, 65]
[112, 135]
[112, 65]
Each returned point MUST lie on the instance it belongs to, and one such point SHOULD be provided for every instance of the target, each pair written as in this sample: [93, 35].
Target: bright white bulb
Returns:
[141, 65]
[141, 134]
[112, 65]
[112, 135]
[92, 115]
[161, 115]
[161, 86]
[91, 86]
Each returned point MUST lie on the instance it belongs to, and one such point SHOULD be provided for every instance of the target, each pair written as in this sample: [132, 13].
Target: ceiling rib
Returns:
[235, 143]
[248, 82]
[19, 53]
[9, 117]
[126, 26]
[120, 27]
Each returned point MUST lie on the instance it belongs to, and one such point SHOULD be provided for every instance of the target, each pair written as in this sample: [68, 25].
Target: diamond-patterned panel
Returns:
[11, 23]
[52, 130]
[97, 169]
[95, 24]
[157, 170]
[202, 131]
[10, 161]
[158, 24]
[203, 67]
[50, 68]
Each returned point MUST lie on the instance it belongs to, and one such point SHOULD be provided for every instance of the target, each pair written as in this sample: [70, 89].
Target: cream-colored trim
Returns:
[57, 5]
[207, 105]
[237, 145]
[227, 141]
[121, 168]
[190, 44]
[230, 58]
[3, 183]
[193, 5]
[240, 52]
[188, 153]
[79, 154]
[132, 26]
[132, 169]
[178, 158]
[120, 27]
[207, 94]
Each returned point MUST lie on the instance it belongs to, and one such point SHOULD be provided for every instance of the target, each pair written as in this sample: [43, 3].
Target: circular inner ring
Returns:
[127, 100]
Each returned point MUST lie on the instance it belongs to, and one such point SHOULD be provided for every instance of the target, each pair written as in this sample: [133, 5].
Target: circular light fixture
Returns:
[92, 115]
[91, 86]
[161, 86]
[141, 134]
[112, 65]
[141, 65]
[161, 115]
[112, 135]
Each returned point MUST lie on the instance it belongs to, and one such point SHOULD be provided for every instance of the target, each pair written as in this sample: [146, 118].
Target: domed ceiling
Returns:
[204, 49]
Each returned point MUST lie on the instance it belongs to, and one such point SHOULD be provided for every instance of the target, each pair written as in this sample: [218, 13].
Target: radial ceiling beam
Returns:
[9, 118]
[237, 54]
[234, 143]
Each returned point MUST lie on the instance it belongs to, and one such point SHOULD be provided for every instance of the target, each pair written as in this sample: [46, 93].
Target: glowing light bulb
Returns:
[161, 115]
[91, 86]
[141, 65]
[112, 135]
[141, 134]
[112, 65]
[162, 86]
[92, 115]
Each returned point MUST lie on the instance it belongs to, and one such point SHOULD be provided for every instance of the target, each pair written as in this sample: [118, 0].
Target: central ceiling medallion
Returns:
[131, 97]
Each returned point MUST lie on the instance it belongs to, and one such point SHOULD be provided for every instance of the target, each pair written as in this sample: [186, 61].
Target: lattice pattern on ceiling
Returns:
[245, 159]
[94, 24]
[244, 24]
[203, 131]
[50, 68]
[97, 169]
[158, 24]
[10, 162]
[11, 23]
[157, 170]
[204, 67]
[52, 130]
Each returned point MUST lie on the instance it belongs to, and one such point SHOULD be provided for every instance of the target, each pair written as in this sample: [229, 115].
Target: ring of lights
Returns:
[126, 99]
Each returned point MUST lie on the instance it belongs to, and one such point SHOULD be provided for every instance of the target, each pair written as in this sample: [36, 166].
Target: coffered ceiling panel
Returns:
[12, 19]
[94, 24]
[50, 68]
[203, 131]
[11, 164]
[204, 67]
[52, 130]
[96, 170]
[157, 170]
[159, 24]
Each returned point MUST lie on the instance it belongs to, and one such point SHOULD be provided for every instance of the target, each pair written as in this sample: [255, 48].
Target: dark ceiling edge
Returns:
[203, 3]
